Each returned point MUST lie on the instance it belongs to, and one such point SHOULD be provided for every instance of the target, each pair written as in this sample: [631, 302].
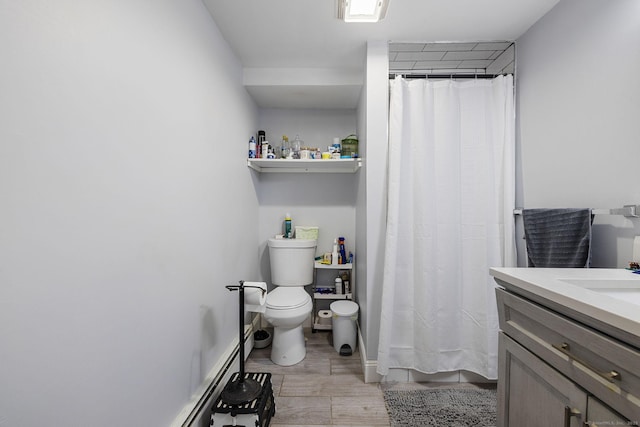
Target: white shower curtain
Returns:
[451, 195]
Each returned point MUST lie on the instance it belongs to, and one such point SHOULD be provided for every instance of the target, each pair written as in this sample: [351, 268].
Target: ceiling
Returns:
[297, 54]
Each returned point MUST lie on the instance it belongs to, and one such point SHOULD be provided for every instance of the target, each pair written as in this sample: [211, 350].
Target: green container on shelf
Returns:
[350, 147]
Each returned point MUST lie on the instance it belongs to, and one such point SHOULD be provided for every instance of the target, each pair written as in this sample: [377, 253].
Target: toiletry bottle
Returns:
[262, 136]
[339, 290]
[343, 254]
[285, 147]
[296, 145]
[334, 253]
[287, 226]
[337, 146]
[252, 148]
[345, 283]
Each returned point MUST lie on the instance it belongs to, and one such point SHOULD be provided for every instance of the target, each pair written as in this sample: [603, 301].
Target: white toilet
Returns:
[289, 304]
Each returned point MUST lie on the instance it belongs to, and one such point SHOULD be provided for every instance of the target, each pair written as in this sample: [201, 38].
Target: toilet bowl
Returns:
[288, 305]
[287, 309]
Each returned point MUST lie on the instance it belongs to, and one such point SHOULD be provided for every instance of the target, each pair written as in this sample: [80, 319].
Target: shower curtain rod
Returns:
[632, 211]
[443, 76]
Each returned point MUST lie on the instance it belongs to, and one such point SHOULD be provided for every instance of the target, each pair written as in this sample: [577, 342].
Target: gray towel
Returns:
[558, 237]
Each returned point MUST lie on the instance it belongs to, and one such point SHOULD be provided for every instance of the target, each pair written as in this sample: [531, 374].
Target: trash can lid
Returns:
[344, 308]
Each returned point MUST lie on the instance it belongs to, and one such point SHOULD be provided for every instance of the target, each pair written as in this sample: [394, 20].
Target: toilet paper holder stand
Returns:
[242, 390]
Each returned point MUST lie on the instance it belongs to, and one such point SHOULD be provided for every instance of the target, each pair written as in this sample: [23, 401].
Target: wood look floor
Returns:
[325, 389]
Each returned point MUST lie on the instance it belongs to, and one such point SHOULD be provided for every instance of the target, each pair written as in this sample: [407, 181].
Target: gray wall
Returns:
[578, 103]
[125, 207]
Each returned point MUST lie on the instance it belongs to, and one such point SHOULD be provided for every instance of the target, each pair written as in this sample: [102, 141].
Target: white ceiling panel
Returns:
[465, 55]
[447, 47]
[419, 56]
[456, 58]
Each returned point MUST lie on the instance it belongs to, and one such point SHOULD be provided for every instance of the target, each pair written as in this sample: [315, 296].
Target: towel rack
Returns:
[630, 211]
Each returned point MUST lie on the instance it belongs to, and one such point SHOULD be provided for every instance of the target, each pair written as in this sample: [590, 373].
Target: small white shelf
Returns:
[325, 299]
[318, 295]
[305, 166]
[317, 326]
[321, 266]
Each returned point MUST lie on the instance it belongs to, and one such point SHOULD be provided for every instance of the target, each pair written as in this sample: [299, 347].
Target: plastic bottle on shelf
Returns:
[264, 150]
[262, 136]
[343, 253]
[337, 146]
[334, 253]
[296, 145]
[285, 147]
[287, 226]
[252, 148]
[345, 283]
[339, 289]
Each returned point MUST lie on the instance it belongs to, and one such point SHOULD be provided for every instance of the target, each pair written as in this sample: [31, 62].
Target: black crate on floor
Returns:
[256, 413]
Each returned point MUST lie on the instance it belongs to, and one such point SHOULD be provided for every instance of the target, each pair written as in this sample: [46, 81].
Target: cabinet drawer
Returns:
[603, 366]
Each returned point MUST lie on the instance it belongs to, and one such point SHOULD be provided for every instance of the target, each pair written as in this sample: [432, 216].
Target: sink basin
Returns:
[628, 295]
[622, 289]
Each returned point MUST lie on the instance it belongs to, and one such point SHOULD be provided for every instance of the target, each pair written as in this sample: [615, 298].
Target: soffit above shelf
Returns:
[307, 88]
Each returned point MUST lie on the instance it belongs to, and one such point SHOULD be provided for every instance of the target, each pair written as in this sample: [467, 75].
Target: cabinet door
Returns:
[532, 394]
[600, 415]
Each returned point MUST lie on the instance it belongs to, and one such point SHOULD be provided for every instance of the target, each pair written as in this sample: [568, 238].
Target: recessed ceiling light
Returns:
[362, 10]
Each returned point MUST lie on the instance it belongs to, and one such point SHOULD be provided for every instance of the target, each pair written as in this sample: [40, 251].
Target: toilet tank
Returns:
[292, 261]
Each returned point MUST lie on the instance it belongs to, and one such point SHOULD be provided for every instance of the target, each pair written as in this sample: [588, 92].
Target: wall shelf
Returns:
[318, 295]
[322, 266]
[305, 166]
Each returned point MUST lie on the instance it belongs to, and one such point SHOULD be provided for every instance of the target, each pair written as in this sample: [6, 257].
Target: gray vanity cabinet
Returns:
[555, 371]
[532, 394]
[601, 415]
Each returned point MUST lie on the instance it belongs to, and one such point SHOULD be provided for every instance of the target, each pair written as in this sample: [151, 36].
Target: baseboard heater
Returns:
[200, 405]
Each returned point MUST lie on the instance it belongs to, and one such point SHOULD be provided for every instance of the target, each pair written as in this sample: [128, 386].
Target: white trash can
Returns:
[345, 332]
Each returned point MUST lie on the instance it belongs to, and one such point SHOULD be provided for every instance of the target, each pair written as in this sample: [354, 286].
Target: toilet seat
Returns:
[287, 298]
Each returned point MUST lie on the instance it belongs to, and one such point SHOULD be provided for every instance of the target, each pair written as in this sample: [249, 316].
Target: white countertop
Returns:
[610, 296]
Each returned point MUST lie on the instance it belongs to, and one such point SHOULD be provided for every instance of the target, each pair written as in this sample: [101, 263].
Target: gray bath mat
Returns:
[452, 407]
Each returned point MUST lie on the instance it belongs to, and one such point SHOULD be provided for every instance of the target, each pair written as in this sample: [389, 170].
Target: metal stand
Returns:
[258, 412]
[242, 390]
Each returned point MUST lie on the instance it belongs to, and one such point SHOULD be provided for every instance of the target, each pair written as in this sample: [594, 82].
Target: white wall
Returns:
[375, 200]
[316, 127]
[323, 200]
[126, 206]
[578, 110]
[361, 223]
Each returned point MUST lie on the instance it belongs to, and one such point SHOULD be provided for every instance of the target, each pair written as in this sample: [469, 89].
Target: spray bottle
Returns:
[334, 253]
[287, 226]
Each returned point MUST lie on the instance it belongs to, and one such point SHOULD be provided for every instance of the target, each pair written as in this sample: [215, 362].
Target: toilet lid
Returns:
[282, 298]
